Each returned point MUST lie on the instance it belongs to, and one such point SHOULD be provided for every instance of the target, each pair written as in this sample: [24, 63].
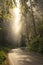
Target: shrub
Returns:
[41, 44]
[2, 56]
[34, 46]
[40, 29]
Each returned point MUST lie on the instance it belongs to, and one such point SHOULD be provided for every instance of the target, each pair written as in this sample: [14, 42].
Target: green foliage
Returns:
[0, 28]
[34, 46]
[41, 45]
[2, 56]
[40, 29]
[4, 8]
[37, 43]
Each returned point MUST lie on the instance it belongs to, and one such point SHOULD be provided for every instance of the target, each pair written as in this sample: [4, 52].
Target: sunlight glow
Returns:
[18, 3]
[16, 27]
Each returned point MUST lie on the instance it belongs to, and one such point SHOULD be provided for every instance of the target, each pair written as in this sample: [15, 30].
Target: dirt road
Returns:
[21, 57]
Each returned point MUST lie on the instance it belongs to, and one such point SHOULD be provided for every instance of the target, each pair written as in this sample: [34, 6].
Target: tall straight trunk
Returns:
[33, 19]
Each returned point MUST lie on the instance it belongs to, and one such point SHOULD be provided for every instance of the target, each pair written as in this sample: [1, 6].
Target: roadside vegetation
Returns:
[36, 44]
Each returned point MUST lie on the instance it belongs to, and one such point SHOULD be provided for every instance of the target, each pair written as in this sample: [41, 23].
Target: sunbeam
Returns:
[16, 26]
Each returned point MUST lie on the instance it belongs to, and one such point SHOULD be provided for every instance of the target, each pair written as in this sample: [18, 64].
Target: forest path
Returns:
[22, 57]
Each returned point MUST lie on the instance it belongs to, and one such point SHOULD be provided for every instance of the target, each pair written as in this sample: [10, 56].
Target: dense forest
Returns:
[27, 33]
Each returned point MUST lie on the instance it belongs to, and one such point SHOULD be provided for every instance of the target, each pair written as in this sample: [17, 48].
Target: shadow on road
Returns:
[22, 57]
